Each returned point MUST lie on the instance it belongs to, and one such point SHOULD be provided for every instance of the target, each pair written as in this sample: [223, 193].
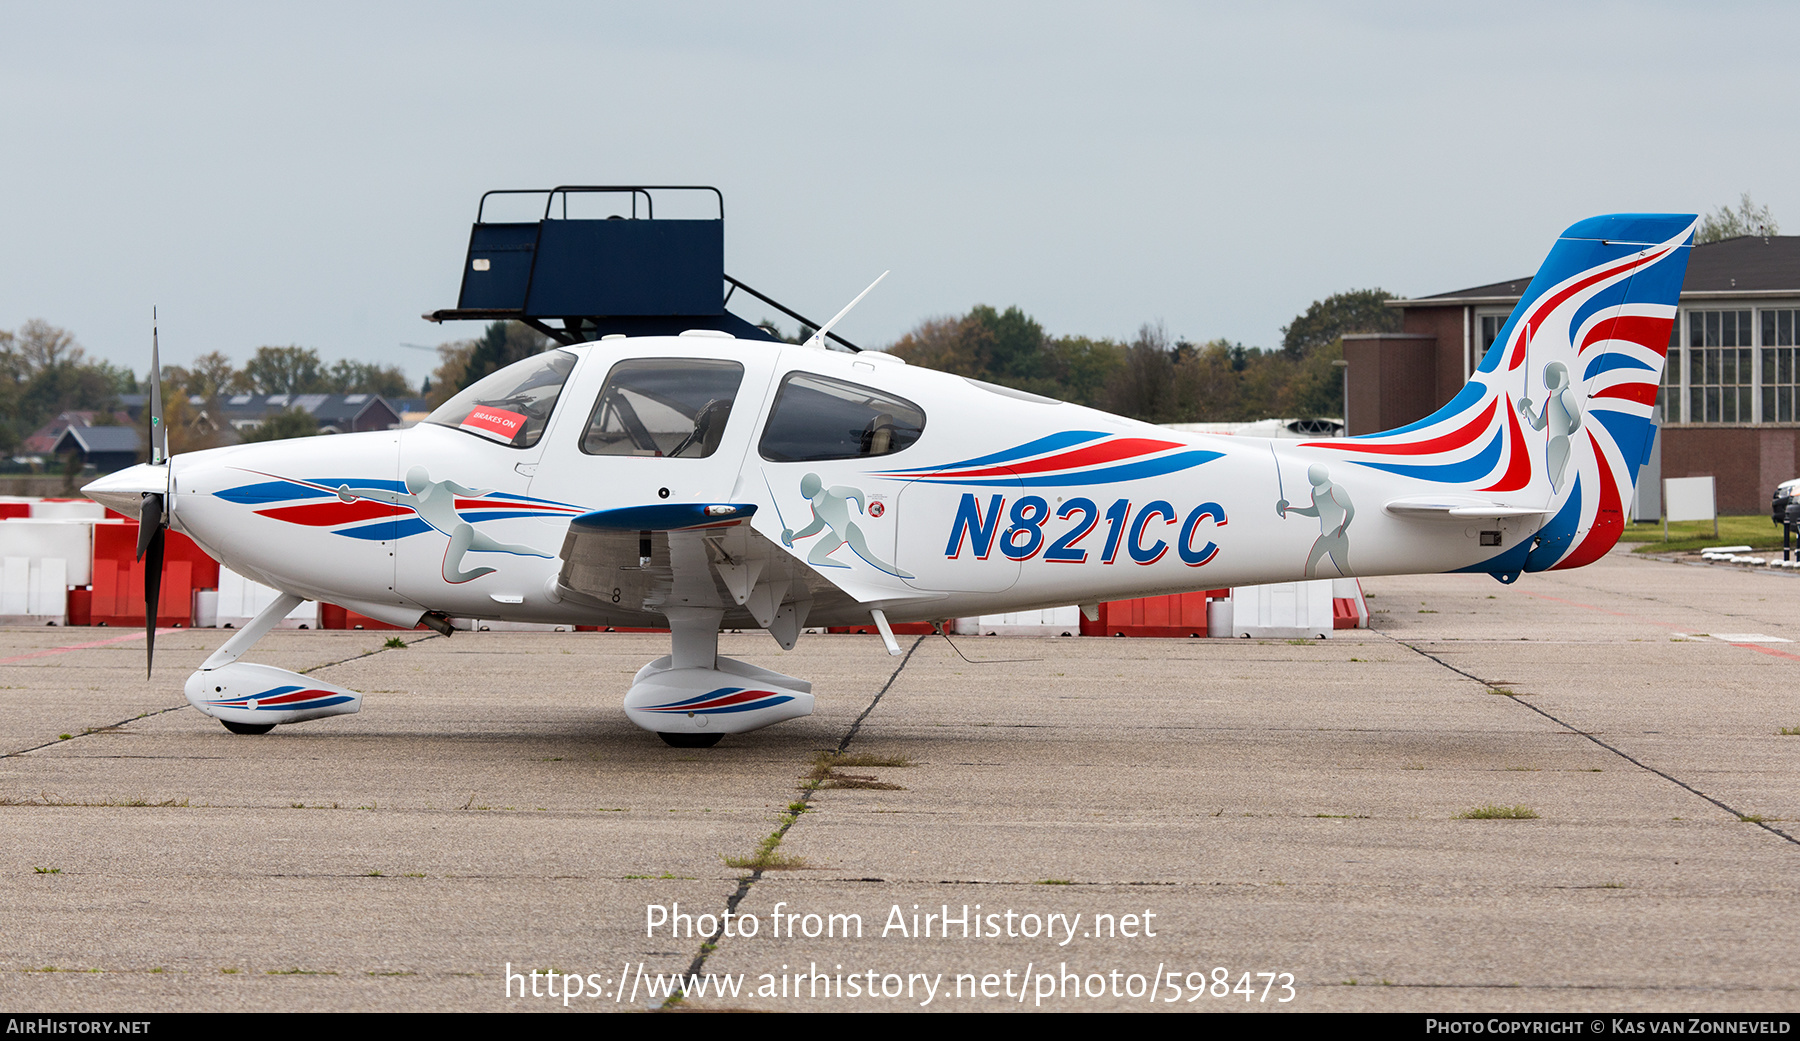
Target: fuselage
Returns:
[996, 501]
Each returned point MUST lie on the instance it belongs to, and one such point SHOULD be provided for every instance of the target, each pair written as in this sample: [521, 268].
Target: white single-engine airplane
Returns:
[704, 482]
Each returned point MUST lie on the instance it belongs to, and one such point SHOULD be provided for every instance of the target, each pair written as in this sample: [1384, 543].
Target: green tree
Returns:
[65, 387]
[1727, 223]
[1149, 378]
[1006, 347]
[355, 377]
[1009, 343]
[1209, 381]
[210, 377]
[1079, 368]
[938, 343]
[1355, 311]
[1143, 387]
[502, 344]
[285, 370]
[44, 372]
[1315, 387]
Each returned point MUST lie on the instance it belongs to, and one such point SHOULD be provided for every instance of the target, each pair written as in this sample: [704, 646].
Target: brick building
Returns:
[1729, 390]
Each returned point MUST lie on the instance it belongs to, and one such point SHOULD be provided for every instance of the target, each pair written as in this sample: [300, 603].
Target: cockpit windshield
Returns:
[510, 406]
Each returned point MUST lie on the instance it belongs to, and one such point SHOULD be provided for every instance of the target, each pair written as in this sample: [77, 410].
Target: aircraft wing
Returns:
[636, 561]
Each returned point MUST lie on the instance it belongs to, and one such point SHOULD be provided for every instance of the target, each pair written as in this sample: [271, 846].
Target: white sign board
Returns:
[1688, 498]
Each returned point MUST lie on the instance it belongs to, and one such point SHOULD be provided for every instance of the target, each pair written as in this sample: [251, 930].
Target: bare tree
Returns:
[43, 346]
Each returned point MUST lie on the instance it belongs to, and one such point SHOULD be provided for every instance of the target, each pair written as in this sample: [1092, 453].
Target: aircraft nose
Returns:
[124, 490]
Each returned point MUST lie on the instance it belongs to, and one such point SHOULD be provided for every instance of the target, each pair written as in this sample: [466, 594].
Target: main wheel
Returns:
[689, 740]
[247, 728]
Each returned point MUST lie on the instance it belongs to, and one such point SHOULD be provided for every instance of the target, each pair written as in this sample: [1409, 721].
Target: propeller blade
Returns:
[159, 434]
[150, 551]
[150, 520]
[153, 515]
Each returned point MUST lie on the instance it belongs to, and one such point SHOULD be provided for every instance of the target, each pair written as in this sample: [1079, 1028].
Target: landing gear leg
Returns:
[692, 697]
[252, 699]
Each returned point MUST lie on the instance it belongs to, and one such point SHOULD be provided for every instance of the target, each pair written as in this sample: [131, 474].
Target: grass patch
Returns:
[47, 799]
[826, 773]
[768, 855]
[1492, 812]
[1788, 732]
[48, 870]
[394, 643]
[1754, 530]
[1751, 818]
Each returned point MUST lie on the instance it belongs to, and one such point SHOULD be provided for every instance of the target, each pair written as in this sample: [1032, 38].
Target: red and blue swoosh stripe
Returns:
[1068, 459]
[721, 701]
[285, 699]
[368, 518]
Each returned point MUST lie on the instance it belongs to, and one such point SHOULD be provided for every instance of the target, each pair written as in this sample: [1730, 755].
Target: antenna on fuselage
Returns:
[818, 338]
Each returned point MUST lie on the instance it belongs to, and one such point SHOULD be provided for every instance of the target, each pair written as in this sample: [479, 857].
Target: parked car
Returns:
[1786, 493]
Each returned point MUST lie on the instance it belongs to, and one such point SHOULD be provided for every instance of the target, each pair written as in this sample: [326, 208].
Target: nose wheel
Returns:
[247, 728]
[689, 740]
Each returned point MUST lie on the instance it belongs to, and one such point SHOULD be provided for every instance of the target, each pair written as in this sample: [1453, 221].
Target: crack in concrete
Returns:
[1573, 729]
[87, 731]
[744, 885]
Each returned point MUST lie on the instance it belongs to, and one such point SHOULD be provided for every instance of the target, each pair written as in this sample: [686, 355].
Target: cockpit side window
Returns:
[816, 418]
[671, 407]
[510, 406]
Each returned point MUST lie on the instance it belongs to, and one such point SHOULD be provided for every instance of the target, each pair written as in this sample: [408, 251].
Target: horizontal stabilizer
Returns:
[672, 516]
[1452, 508]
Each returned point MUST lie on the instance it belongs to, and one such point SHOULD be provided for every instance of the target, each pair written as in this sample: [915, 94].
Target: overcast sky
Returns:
[307, 174]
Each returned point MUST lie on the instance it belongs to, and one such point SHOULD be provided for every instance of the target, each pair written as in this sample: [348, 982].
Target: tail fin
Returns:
[1558, 416]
